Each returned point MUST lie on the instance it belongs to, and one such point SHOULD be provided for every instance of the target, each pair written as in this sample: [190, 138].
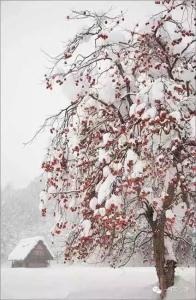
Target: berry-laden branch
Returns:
[121, 162]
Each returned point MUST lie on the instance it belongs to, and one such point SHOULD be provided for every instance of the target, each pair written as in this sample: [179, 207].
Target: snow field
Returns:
[86, 282]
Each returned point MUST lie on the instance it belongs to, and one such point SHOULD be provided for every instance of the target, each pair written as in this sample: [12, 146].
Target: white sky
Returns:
[26, 28]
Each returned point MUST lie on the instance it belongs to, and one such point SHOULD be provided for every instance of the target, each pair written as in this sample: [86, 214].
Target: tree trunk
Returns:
[165, 269]
[158, 245]
[170, 266]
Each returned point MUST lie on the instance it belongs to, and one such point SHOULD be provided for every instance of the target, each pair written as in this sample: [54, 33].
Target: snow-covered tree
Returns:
[120, 165]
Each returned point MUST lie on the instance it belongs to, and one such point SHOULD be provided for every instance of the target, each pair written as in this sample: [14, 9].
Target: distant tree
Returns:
[121, 161]
[15, 224]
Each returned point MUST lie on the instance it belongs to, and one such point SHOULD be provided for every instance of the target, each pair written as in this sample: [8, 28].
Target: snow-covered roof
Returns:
[25, 246]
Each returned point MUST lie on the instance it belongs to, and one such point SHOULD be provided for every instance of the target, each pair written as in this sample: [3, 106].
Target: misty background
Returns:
[28, 29]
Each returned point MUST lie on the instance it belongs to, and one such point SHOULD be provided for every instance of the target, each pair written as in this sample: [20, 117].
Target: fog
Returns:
[28, 28]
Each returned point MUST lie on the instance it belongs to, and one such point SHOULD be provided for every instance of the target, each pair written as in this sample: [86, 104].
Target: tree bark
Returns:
[170, 266]
[159, 252]
[165, 269]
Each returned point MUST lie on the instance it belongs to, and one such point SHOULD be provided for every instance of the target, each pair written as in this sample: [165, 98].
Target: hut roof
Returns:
[25, 246]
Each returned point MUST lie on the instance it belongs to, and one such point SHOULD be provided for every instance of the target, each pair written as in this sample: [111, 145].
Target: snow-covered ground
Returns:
[76, 282]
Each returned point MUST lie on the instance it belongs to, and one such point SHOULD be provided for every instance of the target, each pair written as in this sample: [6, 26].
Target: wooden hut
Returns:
[31, 253]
